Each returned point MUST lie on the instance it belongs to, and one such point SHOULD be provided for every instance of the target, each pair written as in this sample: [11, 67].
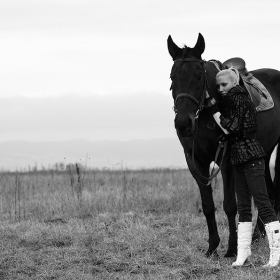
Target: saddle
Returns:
[259, 94]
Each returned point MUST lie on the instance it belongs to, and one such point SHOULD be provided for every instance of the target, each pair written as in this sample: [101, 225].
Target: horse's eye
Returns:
[199, 78]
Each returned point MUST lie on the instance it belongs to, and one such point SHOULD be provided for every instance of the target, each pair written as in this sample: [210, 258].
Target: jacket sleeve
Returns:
[233, 120]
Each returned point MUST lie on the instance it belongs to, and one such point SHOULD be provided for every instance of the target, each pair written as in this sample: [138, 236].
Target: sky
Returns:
[100, 69]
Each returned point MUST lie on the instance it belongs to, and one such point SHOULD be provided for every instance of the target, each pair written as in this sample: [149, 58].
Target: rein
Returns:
[222, 145]
[200, 106]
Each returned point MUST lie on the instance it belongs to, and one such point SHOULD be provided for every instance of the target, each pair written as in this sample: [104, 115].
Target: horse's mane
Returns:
[187, 50]
[218, 64]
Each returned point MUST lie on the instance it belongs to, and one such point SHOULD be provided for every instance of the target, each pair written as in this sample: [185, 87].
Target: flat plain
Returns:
[71, 223]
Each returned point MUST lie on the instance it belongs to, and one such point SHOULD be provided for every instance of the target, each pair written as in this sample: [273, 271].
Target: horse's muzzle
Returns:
[186, 127]
[184, 133]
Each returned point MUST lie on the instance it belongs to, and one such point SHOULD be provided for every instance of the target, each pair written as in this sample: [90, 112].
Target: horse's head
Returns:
[188, 84]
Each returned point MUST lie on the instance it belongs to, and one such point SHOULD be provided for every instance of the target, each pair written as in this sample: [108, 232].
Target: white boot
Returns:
[273, 235]
[244, 240]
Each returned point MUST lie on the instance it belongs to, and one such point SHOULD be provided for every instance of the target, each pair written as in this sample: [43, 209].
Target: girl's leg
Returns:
[273, 234]
[244, 229]
[243, 195]
[254, 172]
[256, 181]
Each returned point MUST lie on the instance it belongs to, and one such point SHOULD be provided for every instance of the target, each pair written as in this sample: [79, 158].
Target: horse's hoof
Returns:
[230, 254]
[212, 254]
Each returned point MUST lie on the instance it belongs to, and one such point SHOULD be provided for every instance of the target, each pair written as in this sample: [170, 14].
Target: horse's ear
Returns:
[173, 49]
[199, 46]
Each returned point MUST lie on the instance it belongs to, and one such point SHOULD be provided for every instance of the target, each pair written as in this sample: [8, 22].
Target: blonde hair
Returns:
[232, 72]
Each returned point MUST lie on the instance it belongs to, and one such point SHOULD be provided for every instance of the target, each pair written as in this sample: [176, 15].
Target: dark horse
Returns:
[198, 132]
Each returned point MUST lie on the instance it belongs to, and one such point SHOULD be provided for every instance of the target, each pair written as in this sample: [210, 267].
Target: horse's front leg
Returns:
[230, 207]
[208, 208]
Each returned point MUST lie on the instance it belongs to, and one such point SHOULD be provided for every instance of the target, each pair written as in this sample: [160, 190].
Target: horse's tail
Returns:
[276, 180]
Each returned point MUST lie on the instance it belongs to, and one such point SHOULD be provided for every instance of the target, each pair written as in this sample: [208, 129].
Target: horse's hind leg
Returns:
[230, 208]
[277, 180]
[268, 180]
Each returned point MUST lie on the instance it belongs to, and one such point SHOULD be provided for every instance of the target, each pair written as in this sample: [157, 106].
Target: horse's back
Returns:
[270, 78]
[269, 121]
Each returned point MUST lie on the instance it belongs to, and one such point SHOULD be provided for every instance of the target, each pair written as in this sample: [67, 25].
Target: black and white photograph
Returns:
[139, 139]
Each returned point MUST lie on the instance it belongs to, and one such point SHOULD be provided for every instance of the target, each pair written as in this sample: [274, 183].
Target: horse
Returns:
[198, 132]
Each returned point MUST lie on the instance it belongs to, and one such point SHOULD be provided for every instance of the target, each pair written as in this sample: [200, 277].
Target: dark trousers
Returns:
[249, 181]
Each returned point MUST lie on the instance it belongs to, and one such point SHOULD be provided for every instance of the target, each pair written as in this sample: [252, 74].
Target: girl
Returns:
[238, 119]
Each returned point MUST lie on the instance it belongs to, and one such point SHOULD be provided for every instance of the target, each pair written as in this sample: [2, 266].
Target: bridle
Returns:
[200, 105]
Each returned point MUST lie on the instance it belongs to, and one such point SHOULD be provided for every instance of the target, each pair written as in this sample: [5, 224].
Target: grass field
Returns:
[109, 224]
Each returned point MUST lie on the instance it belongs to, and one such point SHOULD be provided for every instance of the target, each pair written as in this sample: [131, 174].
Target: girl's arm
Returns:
[212, 104]
[235, 115]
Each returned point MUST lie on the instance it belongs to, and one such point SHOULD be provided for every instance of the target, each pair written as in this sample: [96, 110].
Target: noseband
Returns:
[199, 103]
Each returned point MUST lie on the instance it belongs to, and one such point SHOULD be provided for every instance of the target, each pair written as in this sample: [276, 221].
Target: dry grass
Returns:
[144, 224]
[43, 195]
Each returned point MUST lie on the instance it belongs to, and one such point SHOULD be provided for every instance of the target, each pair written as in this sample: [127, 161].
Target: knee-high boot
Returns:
[244, 240]
[273, 235]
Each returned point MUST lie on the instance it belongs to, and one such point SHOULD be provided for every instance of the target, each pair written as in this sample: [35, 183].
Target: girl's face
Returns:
[224, 84]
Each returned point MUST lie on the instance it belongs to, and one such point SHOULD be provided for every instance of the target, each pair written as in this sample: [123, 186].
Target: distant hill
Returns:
[166, 152]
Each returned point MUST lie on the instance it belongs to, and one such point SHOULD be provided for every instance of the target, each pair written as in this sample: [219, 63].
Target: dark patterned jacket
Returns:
[239, 118]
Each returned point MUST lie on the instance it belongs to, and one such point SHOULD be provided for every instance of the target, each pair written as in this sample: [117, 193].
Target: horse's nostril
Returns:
[185, 126]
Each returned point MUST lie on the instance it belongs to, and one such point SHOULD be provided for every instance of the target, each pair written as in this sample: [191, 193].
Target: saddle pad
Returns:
[259, 94]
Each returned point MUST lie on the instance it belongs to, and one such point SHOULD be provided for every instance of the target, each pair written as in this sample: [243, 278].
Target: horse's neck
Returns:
[211, 72]
[208, 129]
[207, 126]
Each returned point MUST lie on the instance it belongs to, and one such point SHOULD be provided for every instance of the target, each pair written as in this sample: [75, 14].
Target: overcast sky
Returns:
[100, 69]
